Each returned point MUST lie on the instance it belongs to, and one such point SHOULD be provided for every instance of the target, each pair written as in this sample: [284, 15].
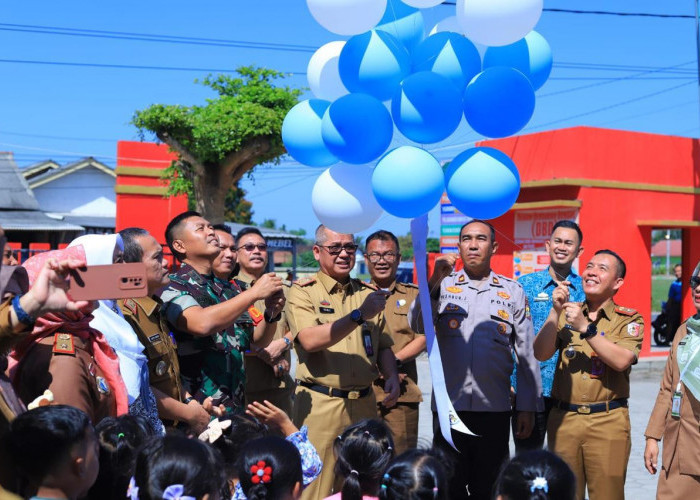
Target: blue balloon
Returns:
[357, 128]
[373, 63]
[301, 134]
[531, 55]
[499, 101]
[426, 107]
[482, 183]
[403, 22]
[408, 182]
[448, 54]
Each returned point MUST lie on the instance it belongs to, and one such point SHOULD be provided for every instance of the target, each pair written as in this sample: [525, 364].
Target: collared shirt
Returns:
[396, 315]
[581, 377]
[351, 363]
[478, 328]
[675, 291]
[538, 288]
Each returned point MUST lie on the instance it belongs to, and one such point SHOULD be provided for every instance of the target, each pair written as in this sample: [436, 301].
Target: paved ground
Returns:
[645, 378]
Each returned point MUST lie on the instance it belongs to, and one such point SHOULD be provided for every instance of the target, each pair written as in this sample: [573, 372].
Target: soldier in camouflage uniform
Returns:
[211, 343]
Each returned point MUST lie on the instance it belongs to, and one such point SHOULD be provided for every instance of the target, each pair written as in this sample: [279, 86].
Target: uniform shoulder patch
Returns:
[305, 281]
[63, 343]
[625, 311]
[409, 285]
[130, 305]
[367, 285]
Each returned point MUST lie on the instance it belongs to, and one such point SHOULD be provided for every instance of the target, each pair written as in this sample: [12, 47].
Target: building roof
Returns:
[658, 249]
[45, 172]
[33, 220]
[88, 221]
[14, 190]
[266, 232]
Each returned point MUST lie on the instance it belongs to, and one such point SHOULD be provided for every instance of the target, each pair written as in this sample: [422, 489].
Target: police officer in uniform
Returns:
[598, 341]
[339, 338]
[382, 257]
[143, 314]
[482, 317]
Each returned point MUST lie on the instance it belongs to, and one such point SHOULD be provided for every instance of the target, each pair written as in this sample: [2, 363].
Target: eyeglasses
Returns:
[350, 248]
[694, 282]
[388, 257]
[249, 247]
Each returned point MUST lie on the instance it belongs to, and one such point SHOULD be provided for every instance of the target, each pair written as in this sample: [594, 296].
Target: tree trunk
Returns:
[210, 192]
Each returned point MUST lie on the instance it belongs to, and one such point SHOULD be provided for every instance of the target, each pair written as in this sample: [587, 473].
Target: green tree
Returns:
[236, 207]
[223, 140]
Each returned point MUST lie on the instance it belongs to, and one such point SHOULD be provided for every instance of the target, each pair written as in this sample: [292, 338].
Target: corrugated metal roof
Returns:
[88, 221]
[29, 220]
[266, 232]
[14, 190]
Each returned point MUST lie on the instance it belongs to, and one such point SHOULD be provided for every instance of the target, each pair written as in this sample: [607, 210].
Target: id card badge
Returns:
[676, 404]
[367, 342]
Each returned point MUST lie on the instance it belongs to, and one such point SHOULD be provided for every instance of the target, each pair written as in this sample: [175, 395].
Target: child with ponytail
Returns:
[270, 469]
[415, 475]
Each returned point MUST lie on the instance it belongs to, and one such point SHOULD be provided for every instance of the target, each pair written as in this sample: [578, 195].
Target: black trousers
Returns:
[477, 465]
[539, 431]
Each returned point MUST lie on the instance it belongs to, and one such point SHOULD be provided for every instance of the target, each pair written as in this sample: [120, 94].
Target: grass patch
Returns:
[659, 291]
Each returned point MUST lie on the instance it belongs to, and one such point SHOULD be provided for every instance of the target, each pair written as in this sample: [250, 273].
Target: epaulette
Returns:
[305, 281]
[130, 305]
[63, 344]
[286, 283]
[625, 311]
[409, 285]
[255, 314]
[368, 285]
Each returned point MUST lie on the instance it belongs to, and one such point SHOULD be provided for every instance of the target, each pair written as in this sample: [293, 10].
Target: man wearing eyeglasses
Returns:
[382, 256]
[340, 337]
[267, 369]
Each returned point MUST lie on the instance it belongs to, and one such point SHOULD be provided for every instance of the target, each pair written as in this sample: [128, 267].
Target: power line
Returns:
[605, 12]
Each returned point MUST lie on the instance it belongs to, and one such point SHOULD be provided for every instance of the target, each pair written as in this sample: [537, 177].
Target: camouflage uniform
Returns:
[213, 365]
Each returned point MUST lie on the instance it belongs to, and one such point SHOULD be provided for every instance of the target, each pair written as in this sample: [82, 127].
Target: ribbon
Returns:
[447, 415]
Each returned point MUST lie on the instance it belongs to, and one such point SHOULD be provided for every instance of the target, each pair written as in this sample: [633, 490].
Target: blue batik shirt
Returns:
[538, 289]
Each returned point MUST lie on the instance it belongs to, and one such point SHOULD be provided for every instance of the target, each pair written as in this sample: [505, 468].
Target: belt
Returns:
[336, 393]
[591, 408]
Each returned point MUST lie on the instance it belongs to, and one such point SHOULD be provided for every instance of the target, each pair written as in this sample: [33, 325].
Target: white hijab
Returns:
[108, 318]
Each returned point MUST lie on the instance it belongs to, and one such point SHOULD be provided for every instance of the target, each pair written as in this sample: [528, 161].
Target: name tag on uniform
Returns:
[154, 338]
[367, 342]
[542, 297]
[326, 310]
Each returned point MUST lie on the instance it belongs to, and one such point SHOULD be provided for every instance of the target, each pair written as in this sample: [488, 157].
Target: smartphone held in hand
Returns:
[115, 281]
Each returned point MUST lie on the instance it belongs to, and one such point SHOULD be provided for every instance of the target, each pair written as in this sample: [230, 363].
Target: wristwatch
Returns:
[356, 316]
[287, 343]
[271, 319]
[591, 331]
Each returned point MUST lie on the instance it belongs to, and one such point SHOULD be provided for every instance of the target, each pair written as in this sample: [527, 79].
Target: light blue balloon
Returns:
[408, 182]
[426, 107]
[357, 128]
[499, 102]
[373, 63]
[301, 134]
[531, 55]
[482, 183]
[448, 54]
[403, 22]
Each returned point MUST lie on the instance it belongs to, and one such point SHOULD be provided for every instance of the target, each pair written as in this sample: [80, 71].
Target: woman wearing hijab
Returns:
[67, 356]
[107, 318]
[676, 413]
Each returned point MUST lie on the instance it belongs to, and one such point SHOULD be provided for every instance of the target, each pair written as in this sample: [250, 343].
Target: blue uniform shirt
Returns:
[538, 288]
[675, 291]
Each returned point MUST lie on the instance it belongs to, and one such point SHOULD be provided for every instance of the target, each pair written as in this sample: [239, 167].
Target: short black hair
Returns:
[414, 475]
[569, 224]
[516, 480]
[173, 226]
[383, 235]
[41, 439]
[222, 227]
[621, 267]
[481, 221]
[132, 250]
[249, 230]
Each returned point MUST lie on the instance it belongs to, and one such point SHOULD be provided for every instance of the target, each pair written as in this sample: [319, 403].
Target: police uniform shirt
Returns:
[477, 330]
[396, 312]
[581, 377]
[143, 314]
[351, 363]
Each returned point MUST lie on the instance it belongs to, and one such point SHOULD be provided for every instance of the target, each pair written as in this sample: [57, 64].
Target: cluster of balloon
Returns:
[484, 63]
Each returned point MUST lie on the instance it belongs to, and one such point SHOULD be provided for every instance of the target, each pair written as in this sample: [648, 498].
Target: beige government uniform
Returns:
[596, 445]
[679, 474]
[261, 382]
[402, 419]
[346, 365]
[143, 314]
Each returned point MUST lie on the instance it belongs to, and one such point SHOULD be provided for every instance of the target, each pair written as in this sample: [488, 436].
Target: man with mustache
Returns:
[598, 342]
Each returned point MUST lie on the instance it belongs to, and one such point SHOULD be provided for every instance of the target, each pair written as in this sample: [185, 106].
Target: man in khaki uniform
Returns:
[143, 314]
[382, 256]
[598, 341]
[267, 370]
[339, 337]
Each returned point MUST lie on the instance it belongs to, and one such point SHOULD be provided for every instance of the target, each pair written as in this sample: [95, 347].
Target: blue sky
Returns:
[624, 72]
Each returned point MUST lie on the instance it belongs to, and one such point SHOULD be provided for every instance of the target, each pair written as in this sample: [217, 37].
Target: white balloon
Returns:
[342, 198]
[347, 17]
[448, 24]
[498, 22]
[322, 72]
[422, 4]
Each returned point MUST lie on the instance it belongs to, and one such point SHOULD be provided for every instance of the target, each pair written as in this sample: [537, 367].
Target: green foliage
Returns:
[306, 259]
[269, 224]
[432, 245]
[237, 208]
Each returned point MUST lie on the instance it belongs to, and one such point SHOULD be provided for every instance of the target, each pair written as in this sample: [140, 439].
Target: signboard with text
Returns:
[451, 221]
